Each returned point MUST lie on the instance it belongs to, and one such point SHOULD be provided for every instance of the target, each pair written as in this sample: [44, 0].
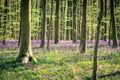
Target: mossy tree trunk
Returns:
[25, 54]
[83, 36]
[100, 15]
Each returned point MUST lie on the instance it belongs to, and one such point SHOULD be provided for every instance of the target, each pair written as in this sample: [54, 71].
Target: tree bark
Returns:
[25, 54]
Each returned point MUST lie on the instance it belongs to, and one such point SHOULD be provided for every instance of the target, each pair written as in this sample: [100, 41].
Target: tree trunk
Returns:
[79, 19]
[65, 19]
[105, 24]
[109, 38]
[97, 41]
[57, 23]
[50, 26]
[25, 54]
[74, 36]
[82, 47]
[114, 29]
[43, 23]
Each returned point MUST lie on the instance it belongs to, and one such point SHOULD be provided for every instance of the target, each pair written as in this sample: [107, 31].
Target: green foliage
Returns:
[65, 13]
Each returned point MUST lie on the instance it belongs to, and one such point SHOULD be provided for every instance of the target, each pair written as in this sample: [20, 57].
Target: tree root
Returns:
[26, 59]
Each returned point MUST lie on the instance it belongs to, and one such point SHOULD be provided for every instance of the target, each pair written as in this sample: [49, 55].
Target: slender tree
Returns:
[65, 19]
[109, 37]
[100, 15]
[50, 26]
[79, 12]
[114, 29]
[43, 23]
[25, 54]
[83, 36]
[117, 5]
[105, 24]
[74, 36]
[57, 22]
[1, 14]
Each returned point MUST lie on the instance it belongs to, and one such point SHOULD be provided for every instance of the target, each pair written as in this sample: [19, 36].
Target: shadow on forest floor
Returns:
[8, 63]
[106, 75]
[110, 74]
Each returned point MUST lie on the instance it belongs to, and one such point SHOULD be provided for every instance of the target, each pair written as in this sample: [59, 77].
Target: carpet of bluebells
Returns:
[62, 62]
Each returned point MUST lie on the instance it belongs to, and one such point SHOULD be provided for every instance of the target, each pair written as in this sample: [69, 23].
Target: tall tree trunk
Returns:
[25, 54]
[79, 19]
[82, 47]
[105, 24]
[65, 19]
[5, 21]
[114, 29]
[117, 5]
[97, 41]
[57, 23]
[1, 15]
[43, 24]
[74, 36]
[1, 11]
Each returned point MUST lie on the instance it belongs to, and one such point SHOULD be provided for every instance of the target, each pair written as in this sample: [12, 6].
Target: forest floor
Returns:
[62, 62]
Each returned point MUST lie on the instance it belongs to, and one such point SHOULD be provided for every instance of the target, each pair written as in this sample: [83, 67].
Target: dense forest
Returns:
[59, 39]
